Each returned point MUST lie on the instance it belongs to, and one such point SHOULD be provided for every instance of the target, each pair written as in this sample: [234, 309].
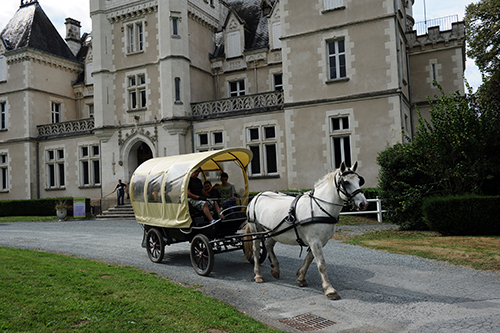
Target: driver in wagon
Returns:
[197, 196]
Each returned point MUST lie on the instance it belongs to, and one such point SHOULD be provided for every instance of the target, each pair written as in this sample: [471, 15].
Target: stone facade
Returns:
[303, 84]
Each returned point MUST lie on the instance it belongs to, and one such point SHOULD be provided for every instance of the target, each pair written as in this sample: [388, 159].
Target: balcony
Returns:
[67, 127]
[270, 101]
[444, 23]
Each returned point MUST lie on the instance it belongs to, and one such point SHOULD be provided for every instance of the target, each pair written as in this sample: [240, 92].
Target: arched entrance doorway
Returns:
[139, 152]
[144, 153]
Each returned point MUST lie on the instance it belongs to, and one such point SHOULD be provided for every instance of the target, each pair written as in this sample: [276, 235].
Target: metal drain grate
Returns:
[307, 322]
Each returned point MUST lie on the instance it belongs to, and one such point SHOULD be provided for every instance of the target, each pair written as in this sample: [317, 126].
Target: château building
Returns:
[303, 84]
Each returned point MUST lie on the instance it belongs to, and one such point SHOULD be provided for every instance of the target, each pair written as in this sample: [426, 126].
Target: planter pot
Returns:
[61, 214]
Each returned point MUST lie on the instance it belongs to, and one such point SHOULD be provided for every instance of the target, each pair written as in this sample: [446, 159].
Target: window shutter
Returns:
[276, 35]
[233, 44]
[332, 4]
[3, 68]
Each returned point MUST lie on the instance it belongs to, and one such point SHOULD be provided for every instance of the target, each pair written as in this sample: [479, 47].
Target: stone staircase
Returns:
[122, 212]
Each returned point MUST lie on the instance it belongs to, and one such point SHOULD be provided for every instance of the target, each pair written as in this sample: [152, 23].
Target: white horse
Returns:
[308, 220]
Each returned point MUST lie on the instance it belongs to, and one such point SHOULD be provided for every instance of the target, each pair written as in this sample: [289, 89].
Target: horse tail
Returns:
[247, 243]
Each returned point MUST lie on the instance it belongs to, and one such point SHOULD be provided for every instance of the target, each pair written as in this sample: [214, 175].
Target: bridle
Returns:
[341, 186]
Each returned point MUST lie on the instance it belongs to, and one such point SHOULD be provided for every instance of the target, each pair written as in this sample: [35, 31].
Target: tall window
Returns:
[4, 172]
[90, 171]
[175, 26]
[237, 88]
[212, 140]
[278, 82]
[262, 141]
[91, 110]
[332, 4]
[135, 36]
[3, 115]
[137, 91]
[340, 137]
[336, 59]
[56, 112]
[177, 86]
[54, 161]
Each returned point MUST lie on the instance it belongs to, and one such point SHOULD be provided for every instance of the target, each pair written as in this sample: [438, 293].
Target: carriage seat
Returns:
[198, 217]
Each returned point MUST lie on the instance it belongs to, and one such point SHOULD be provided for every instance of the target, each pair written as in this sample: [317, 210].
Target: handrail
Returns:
[444, 23]
[379, 210]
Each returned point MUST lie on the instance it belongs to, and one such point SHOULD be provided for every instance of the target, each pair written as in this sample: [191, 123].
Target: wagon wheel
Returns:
[155, 245]
[262, 254]
[202, 255]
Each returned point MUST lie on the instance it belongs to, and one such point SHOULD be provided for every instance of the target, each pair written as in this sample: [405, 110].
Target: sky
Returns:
[59, 10]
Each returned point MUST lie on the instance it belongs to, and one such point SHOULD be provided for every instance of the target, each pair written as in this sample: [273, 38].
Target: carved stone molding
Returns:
[49, 61]
[202, 17]
[132, 12]
[138, 130]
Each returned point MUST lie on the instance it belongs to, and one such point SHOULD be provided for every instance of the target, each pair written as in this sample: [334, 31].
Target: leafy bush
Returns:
[457, 152]
[466, 215]
[402, 186]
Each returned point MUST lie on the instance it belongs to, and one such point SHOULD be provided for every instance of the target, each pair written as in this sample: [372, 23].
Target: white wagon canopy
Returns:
[158, 188]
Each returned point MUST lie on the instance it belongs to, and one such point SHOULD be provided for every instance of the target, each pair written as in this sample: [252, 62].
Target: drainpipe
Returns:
[37, 170]
[255, 76]
[100, 170]
[409, 78]
[398, 53]
[192, 136]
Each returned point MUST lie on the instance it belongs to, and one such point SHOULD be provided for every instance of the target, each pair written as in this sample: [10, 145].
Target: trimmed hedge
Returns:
[465, 215]
[36, 207]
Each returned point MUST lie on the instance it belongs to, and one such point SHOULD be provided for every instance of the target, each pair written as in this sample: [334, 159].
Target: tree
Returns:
[456, 152]
[482, 27]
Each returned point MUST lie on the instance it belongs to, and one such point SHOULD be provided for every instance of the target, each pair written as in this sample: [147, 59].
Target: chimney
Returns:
[73, 35]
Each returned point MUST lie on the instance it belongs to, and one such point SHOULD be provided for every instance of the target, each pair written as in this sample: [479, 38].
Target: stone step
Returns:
[119, 212]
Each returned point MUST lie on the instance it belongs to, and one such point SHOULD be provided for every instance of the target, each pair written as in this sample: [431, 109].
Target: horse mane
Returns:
[329, 177]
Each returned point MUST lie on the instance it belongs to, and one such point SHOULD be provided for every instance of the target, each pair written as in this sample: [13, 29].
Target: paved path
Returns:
[381, 292]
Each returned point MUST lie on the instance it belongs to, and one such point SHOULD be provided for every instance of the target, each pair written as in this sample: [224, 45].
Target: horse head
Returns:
[349, 184]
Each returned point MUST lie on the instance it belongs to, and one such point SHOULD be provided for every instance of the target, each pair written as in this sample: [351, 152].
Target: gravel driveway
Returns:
[381, 292]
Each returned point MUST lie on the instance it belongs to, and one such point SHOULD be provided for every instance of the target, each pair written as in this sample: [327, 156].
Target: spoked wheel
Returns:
[202, 255]
[155, 245]
[262, 254]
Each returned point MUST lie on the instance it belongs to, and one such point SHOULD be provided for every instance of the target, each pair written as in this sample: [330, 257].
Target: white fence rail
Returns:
[379, 210]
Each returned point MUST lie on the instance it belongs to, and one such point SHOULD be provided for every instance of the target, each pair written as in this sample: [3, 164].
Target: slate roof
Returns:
[257, 35]
[31, 28]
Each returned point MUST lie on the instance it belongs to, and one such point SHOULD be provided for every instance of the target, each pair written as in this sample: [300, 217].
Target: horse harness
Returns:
[291, 218]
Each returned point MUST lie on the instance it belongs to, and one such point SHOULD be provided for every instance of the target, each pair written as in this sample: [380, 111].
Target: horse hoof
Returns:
[302, 284]
[275, 274]
[333, 297]
[259, 280]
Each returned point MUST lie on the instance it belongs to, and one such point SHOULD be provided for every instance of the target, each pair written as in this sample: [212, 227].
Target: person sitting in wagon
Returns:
[211, 190]
[197, 196]
[227, 192]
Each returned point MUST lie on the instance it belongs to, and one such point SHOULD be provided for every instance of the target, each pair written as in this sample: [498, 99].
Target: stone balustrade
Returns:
[269, 101]
[66, 127]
